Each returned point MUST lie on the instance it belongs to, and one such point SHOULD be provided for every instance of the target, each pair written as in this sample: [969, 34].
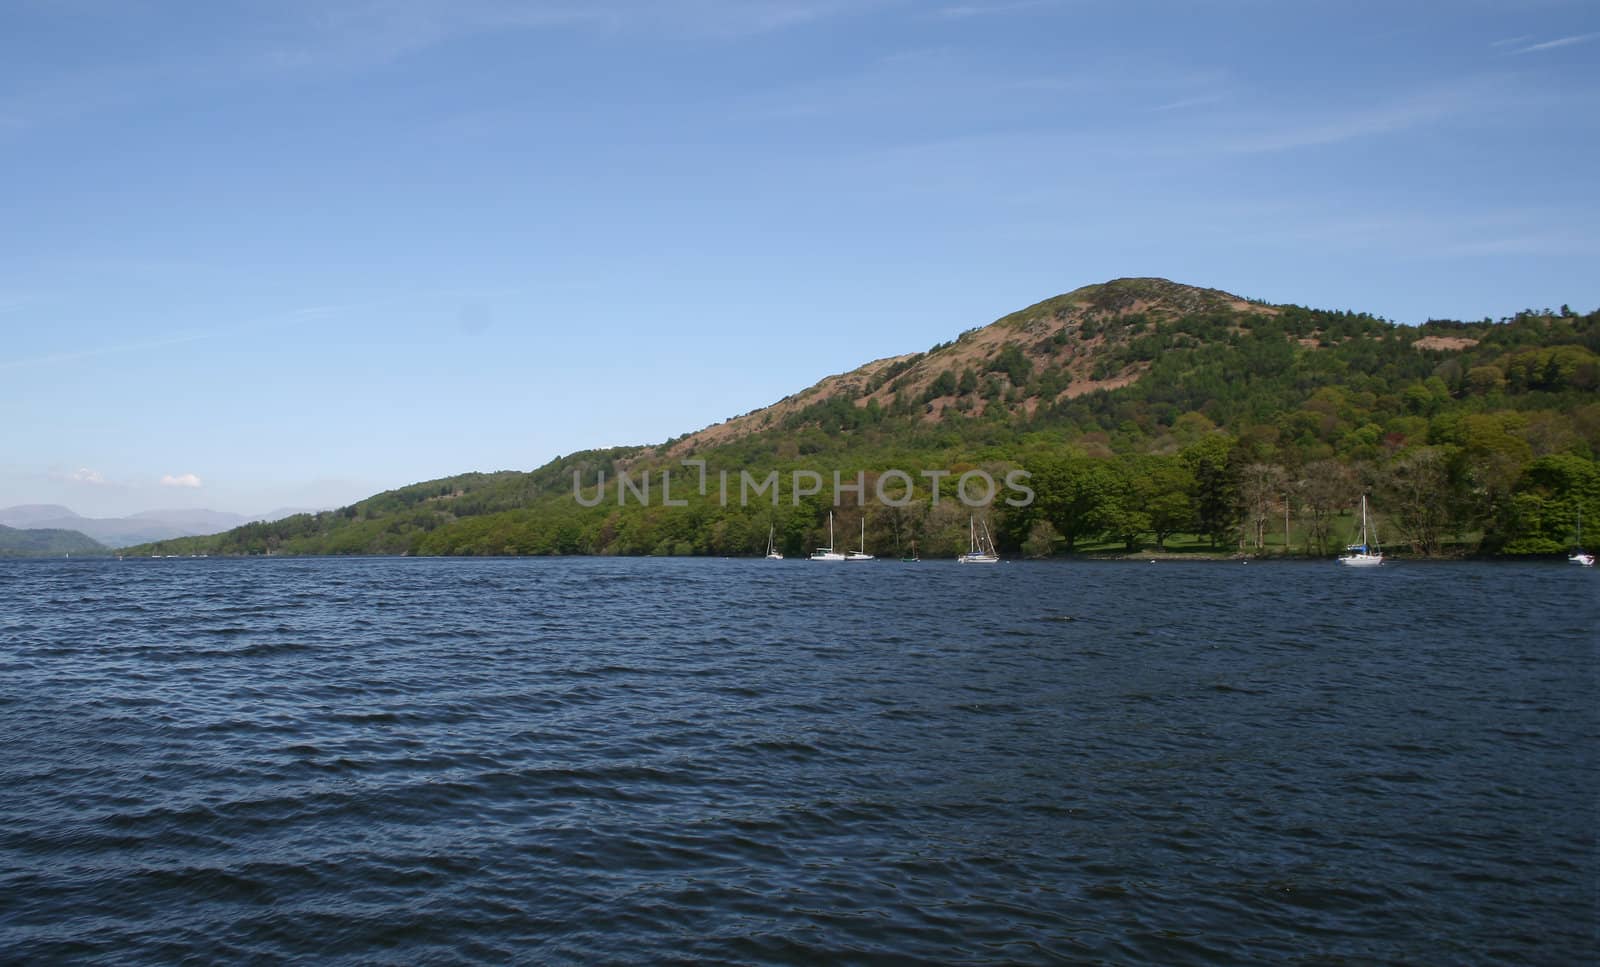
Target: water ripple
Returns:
[662, 761]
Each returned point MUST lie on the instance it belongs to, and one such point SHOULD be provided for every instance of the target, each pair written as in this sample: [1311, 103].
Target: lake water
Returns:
[600, 760]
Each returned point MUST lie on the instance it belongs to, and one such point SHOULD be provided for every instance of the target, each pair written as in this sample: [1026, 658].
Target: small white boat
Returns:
[862, 554]
[1364, 554]
[982, 548]
[1579, 556]
[827, 553]
[773, 554]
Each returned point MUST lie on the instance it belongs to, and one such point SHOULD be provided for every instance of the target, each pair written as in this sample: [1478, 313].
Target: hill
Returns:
[1055, 350]
[1147, 412]
[32, 542]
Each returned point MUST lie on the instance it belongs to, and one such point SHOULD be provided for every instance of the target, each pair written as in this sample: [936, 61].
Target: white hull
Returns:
[862, 554]
[981, 549]
[1362, 560]
[1582, 559]
[827, 553]
[1363, 554]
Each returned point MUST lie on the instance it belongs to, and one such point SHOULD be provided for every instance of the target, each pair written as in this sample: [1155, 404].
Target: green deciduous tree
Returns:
[1070, 491]
[1215, 495]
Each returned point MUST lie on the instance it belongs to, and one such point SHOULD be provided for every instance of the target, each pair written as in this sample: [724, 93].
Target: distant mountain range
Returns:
[140, 528]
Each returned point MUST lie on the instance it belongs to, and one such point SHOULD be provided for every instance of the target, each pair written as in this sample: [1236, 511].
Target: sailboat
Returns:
[1364, 554]
[773, 554]
[862, 554]
[913, 559]
[982, 548]
[827, 553]
[1579, 556]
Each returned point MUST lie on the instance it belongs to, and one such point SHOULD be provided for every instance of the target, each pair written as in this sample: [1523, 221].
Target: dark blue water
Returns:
[749, 761]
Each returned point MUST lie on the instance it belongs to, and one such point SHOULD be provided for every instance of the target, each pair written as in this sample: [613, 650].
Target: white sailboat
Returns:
[773, 554]
[1579, 556]
[982, 548]
[862, 554]
[1364, 554]
[827, 553]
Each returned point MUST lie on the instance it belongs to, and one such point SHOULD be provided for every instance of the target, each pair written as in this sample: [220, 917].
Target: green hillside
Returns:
[16, 542]
[1151, 415]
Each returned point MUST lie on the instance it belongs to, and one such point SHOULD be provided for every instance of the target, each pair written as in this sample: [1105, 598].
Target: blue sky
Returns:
[290, 254]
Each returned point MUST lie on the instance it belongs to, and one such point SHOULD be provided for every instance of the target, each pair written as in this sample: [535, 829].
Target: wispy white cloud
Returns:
[1562, 244]
[360, 35]
[188, 480]
[46, 100]
[294, 38]
[1246, 127]
[1507, 42]
[84, 481]
[753, 18]
[1187, 102]
[943, 93]
[1559, 42]
[1418, 233]
[965, 11]
[84, 475]
[288, 320]
[1413, 110]
[354, 34]
[107, 350]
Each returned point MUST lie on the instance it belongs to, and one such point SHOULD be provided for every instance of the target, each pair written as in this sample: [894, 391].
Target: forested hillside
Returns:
[45, 542]
[1151, 415]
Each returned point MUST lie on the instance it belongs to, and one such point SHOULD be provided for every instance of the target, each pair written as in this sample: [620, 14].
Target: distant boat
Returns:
[1364, 554]
[1579, 556]
[773, 554]
[862, 554]
[827, 553]
[981, 548]
[913, 559]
